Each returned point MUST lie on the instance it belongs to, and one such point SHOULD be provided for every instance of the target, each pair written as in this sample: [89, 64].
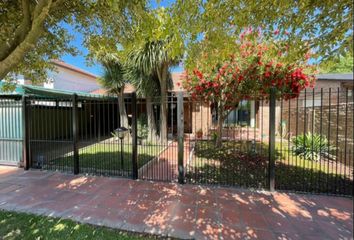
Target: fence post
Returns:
[134, 138]
[180, 136]
[75, 134]
[25, 157]
[271, 166]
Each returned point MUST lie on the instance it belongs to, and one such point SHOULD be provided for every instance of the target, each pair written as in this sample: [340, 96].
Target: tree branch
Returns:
[20, 31]
[28, 43]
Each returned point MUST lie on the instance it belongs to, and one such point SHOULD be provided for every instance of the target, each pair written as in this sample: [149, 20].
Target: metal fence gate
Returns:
[76, 135]
[10, 130]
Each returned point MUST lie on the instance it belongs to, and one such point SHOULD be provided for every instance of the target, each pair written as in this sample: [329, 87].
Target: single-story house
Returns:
[250, 120]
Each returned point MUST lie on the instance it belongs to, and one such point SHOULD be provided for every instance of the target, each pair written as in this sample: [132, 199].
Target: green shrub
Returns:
[143, 129]
[312, 146]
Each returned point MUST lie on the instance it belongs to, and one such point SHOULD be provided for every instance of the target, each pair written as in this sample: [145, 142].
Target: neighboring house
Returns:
[335, 80]
[65, 80]
[67, 77]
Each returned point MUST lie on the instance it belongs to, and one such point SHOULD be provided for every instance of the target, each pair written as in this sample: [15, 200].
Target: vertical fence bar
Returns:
[75, 134]
[134, 137]
[271, 166]
[25, 134]
[180, 130]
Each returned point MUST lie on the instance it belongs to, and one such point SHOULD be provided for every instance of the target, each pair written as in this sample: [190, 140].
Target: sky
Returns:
[80, 59]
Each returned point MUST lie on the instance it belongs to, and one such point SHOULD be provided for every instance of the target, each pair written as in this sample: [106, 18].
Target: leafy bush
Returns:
[312, 146]
[143, 129]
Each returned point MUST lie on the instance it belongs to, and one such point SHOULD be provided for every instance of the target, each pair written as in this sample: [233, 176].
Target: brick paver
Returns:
[165, 166]
[188, 211]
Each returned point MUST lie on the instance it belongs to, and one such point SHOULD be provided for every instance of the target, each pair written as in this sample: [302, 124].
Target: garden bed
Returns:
[242, 163]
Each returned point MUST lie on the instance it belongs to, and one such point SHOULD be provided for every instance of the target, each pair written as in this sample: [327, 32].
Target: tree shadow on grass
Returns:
[245, 164]
[297, 178]
[110, 161]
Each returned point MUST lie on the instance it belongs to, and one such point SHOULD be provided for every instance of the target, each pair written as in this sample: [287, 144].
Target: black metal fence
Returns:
[77, 135]
[315, 142]
[304, 144]
[80, 136]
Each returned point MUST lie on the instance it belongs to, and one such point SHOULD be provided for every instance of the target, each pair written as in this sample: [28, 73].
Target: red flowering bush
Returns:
[256, 66]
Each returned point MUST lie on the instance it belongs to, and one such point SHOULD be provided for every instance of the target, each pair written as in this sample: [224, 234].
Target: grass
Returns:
[245, 164]
[28, 226]
[107, 156]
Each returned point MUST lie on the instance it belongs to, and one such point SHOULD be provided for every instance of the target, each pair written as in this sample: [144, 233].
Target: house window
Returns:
[49, 83]
[241, 115]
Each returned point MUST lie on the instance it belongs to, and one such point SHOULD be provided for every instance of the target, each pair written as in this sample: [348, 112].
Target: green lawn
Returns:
[245, 164]
[107, 156]
[28, 226]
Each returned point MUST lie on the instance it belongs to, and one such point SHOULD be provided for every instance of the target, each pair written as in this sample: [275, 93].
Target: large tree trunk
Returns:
[151, 120]
[163, 74]
[122, 112]
[219, 127]
[163, 113]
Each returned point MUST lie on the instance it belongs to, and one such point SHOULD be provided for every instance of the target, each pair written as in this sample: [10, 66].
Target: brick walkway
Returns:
[181, 211]
[165, 166]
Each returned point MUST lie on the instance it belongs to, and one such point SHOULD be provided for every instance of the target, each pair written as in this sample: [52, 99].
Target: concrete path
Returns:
[188, 211]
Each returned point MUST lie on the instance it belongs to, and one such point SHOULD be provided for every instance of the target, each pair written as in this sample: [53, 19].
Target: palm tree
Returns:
[153, 59]
[147, 87]
[114, 81]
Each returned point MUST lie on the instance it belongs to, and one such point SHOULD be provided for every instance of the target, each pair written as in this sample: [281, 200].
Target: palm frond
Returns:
[113, 78]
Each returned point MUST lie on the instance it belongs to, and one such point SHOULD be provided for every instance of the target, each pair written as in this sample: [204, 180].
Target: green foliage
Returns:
[322, 26]
[152, 58]
[312, 146]
[143, 129]
[214, 136]
[145, 84]
[113, 76]
[33, 32]
[343, 64]
[187, 28]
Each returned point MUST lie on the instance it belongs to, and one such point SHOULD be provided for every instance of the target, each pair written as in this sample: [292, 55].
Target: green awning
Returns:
[37, 91]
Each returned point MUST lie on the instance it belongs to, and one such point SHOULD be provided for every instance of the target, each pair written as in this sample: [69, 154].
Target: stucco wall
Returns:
[66, 79]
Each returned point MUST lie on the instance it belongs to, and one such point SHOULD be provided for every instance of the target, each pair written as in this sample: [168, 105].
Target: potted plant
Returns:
[199, 133]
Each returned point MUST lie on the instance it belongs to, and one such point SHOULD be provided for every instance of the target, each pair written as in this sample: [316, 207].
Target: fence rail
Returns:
[303, 144]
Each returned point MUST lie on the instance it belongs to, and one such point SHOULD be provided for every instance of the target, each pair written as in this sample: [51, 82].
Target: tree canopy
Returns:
[33, 32]
[325, 27]
[255, 67]
[342, 64]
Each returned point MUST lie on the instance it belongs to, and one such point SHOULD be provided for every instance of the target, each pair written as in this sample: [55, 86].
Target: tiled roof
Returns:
[128, 89]
[176, 79]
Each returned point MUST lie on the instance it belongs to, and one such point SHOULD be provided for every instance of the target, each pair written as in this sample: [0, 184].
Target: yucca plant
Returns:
[312, 146]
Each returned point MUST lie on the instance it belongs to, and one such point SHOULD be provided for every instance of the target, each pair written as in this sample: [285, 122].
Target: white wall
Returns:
[66, 79]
